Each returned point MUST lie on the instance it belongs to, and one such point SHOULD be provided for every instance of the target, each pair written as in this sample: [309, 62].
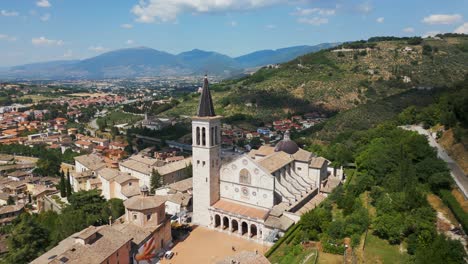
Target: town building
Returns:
[141, 235]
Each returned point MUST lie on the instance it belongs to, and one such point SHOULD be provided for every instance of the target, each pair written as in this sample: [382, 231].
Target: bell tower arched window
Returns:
[203, 136]
[198, 136]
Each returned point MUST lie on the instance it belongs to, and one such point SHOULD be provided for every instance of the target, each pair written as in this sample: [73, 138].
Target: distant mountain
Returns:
[132, 62]
[265, 57]
[147, 62]
[207, 61]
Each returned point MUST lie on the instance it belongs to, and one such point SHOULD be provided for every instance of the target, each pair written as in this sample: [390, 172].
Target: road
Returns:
[457, 173]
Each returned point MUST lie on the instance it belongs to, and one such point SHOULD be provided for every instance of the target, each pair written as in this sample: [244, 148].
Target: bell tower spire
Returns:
[205, 106]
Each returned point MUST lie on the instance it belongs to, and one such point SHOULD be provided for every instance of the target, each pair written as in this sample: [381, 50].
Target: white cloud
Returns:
[365, 7]
[408, 30]
[167, 10]
[45, 17]
[127, 26]
[270, 26]
[7, 37]
[43, 41]
[442, 19]
[316, 21]
[129, 42]
[233, 23]
[310, 11]
[97, 48]
[68, 54]
[8, 13]
[43, 3]
[431, 34]
[463, 29]
[380, 20]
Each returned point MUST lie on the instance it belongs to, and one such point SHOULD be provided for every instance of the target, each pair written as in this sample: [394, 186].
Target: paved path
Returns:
[457, 173]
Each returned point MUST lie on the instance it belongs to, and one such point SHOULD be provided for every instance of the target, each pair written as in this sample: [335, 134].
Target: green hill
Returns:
[341, 78]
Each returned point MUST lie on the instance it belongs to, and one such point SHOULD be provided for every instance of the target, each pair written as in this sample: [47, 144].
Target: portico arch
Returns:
[244, 228]
[225, 222]
[217, 221]
[235, 225]
[253, 231]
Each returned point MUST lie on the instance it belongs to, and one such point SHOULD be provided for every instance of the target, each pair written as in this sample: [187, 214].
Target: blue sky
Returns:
[44, 30]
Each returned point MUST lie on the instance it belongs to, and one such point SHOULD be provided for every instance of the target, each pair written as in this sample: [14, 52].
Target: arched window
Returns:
[203, 137]
[212, 142]
[244, 176]
[198, 136]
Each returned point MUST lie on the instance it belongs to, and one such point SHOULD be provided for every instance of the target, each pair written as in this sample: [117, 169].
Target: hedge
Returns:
[457, 210]
[282, 239]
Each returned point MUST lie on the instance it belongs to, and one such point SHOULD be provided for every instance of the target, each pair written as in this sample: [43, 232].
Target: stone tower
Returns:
[206, 141]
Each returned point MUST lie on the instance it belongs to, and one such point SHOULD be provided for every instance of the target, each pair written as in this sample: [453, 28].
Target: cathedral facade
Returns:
[257, 195]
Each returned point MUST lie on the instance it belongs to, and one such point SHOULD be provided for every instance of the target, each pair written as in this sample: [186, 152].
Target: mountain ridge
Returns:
[148, 62]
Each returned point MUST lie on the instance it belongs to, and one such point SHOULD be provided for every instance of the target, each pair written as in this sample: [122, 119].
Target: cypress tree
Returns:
[68, 184]
[62, 187]
[156, 180]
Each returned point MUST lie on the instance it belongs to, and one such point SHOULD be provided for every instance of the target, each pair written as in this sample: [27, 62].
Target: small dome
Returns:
[287, 145]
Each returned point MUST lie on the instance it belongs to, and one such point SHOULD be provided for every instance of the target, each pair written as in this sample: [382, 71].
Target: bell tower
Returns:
[206, 141]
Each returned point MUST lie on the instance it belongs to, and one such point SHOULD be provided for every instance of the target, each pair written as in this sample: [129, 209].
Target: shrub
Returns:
[457, 210]
[333, 248]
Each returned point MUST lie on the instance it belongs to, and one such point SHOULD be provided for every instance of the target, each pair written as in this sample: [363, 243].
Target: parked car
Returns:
[169, 254]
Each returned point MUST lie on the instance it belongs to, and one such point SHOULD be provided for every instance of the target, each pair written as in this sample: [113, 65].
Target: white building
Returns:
[84, 177]
[256, 195]
[117, 184]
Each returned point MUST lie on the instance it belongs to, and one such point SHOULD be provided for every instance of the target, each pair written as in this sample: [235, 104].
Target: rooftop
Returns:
[140, 203]
[240, 209]
[91, 161]
[276, 161]
[108, 241]
[182, 186]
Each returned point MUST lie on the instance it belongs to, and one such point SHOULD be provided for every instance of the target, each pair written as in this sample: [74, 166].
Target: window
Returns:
[148, 217]
[244, 176]
[135, 217]
[129, 184]
[203, 136]
[198, 136]
[299, 168]
[212, 141]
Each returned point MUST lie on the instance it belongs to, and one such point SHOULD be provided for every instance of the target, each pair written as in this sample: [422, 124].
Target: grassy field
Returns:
[461, 199]
[37, 97]
[117, 118]
[326, 258]
[380, 251]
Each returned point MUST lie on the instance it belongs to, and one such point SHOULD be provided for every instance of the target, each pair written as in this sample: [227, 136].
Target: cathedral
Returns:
[257, 195]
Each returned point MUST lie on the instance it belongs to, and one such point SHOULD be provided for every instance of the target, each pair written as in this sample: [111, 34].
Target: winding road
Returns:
[457, 173]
